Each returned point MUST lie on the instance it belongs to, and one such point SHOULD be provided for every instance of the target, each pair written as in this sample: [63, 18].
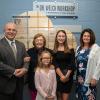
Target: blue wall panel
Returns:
[88, 13]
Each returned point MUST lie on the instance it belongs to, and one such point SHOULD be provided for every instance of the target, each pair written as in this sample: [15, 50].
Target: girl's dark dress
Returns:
[64, 61]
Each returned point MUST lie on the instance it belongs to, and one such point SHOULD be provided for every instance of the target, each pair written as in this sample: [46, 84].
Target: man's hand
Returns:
[20, 72]
[27, 59]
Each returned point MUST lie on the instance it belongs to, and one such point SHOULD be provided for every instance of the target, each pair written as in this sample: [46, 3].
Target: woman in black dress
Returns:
[64, 60]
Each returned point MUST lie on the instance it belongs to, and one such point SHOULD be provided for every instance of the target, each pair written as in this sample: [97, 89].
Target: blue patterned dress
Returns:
[83, 92]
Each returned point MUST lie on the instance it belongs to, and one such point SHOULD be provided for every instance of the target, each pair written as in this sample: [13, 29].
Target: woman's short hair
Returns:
[39, 35]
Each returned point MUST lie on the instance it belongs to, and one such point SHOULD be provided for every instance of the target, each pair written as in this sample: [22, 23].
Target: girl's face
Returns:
[46, 58]
[61, 37]
[86, 38]
[39, 42]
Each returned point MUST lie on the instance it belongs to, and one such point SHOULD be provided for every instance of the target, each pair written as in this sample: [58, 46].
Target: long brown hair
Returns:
[92, 37]
[56, 44]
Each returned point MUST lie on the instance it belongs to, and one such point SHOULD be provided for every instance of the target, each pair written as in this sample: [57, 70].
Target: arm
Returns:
[58, 71]
[71, 66]
[26, 61]
[96, 74]
[54, 84]
[5, 70]
[60, 74]
[38, 84]
[20, 72]
[68, 74]
[26, 58]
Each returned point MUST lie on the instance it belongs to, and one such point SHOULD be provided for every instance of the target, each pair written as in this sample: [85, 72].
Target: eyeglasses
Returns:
[46, 58]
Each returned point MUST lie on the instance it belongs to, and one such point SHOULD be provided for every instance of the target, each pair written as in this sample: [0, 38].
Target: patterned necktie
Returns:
[14, 49]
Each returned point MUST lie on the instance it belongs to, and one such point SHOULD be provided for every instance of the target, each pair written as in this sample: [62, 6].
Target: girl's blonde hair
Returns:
[40, 65]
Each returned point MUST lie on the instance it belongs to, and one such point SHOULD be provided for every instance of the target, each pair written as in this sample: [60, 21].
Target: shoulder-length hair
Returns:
[56, 44]
[92, 37]
[39, 35]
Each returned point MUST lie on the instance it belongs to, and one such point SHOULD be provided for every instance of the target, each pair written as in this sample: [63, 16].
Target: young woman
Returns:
[39, 45]
[88, 66]
[45, 78]
[63, 59]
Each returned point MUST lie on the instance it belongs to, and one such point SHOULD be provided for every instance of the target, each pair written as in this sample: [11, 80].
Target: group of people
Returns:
[49, 72]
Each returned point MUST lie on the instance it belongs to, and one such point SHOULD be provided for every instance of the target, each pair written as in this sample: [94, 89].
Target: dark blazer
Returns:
[33, 53]
[8, 64]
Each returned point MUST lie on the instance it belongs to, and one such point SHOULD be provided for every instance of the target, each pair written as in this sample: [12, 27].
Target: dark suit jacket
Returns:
[8, 64]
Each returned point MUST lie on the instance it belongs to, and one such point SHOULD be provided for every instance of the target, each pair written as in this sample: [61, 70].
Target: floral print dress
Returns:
[83, 92]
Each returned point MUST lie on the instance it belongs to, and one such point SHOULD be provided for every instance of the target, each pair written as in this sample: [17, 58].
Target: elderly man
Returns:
[13, 65]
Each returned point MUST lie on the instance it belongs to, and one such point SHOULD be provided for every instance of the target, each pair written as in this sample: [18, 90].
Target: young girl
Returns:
[64, 62]
[45, 78]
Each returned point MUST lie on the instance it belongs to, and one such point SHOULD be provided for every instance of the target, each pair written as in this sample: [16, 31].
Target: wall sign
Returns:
[56, 8]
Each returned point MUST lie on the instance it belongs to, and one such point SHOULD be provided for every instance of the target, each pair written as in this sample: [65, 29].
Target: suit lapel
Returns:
[9, 49]
[18, 49]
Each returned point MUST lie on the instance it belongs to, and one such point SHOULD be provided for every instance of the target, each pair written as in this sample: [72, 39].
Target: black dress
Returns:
[64, 61]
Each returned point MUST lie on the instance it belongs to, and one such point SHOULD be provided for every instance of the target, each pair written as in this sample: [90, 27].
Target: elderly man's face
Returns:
[10, 31]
